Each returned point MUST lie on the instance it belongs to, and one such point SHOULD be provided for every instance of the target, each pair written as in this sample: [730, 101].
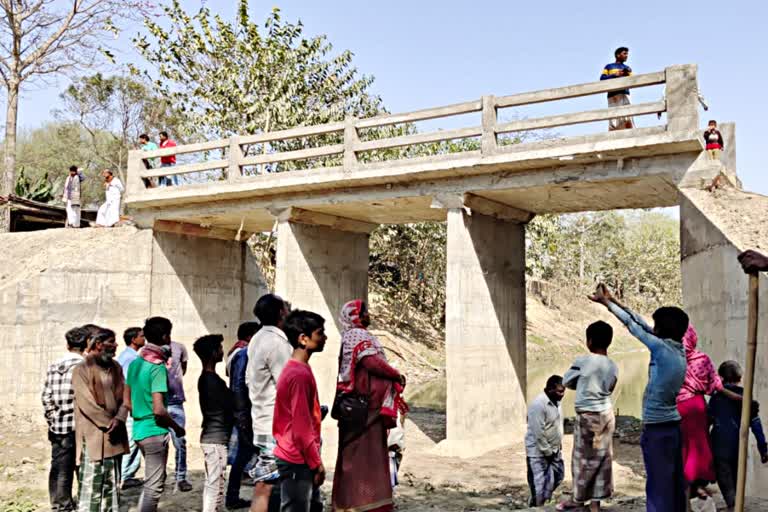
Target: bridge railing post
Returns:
[235, 157]
[682, 95]
[351, 140]
[134, 184]
[488, 140]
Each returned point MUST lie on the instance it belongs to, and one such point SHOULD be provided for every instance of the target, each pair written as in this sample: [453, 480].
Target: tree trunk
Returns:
[9, 168]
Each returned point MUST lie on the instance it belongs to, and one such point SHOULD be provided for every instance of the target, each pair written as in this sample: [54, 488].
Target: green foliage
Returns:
[408, 269]
[636, 253]
[114, 111]
[51, 149]
[236, 77]
[19, 501]
[38, 190]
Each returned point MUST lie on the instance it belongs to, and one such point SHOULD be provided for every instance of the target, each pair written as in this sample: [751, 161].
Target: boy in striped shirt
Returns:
[618, 98]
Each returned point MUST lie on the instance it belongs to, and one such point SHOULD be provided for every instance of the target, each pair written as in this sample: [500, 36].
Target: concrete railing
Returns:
[679, 103]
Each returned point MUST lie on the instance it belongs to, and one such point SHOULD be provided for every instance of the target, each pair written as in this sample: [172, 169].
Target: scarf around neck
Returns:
[156, 354]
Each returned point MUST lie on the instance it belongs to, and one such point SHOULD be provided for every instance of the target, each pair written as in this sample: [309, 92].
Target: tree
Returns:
[233, 77]
[122, 107]
[43, 38]
[52, 148]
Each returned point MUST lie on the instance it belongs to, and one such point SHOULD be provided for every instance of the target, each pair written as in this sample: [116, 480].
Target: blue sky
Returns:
[427, 53]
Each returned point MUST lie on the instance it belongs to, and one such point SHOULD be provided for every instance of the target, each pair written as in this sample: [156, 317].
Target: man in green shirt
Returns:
[146, 395]
[150, 163]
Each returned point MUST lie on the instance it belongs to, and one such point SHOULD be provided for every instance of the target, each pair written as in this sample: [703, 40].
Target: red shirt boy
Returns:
[296, 423]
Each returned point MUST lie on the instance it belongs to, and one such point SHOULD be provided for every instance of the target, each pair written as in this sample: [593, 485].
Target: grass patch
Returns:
[22, 500]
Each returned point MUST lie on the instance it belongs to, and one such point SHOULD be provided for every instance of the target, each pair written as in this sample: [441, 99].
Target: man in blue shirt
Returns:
[134, 339]
[237, 362]
[661, 439]
[618, 98]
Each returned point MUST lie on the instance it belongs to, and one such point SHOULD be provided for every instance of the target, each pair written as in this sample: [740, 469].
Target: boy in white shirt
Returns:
[594, 378]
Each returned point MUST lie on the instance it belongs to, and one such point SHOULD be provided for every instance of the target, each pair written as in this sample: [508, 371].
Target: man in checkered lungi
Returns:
[100, 424]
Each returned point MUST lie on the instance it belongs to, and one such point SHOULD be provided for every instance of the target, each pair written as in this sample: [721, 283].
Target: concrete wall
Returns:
[117, 278]
[320, 269]
[485, 333]
[715, 297]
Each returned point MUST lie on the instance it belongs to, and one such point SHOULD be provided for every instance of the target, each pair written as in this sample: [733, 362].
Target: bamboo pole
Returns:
[746, 404]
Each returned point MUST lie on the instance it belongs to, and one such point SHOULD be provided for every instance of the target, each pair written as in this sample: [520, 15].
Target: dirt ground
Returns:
[739, 215]
[429, 482]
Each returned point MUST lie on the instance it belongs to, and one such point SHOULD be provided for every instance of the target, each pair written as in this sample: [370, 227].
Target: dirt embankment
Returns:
[741, 216]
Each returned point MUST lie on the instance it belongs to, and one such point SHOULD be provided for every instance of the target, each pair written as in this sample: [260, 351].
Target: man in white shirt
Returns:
[543, 442]
[268, 352]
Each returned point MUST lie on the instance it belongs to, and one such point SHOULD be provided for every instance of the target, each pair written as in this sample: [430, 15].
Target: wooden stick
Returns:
[746, 404]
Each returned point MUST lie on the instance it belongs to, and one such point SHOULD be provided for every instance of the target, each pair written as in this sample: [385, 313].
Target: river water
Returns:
[627, 397]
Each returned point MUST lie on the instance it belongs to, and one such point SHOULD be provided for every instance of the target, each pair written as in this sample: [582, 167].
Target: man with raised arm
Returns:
[661, 440]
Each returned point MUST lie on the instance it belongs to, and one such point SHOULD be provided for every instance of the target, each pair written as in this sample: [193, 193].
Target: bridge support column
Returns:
[715, 298]
[485, 333]
[319, 269]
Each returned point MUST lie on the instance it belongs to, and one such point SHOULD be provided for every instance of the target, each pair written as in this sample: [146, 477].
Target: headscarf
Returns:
[357, 343]
[700, 376]
[349, 318]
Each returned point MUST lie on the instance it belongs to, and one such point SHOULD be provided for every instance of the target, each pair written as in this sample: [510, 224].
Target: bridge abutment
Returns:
[485, 333]
[715, 297]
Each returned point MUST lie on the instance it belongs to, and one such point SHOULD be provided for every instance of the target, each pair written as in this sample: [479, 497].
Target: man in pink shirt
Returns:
[296, 425]
[167, 161]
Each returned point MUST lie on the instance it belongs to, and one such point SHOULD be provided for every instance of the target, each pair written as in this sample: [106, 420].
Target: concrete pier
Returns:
[320, 269]
[485, 333]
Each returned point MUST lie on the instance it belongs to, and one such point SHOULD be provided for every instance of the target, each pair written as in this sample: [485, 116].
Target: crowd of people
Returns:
[108, 214]
[106, 413]
[687, 442]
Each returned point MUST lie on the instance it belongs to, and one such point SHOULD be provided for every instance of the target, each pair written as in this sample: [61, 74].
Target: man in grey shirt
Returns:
[268, 352]
[594, 378]
[543, 442]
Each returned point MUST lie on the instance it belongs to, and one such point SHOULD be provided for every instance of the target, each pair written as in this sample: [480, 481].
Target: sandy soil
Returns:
[739, 215]
[495, 481]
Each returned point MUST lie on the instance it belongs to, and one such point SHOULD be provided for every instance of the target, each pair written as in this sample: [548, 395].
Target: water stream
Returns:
[627, 398]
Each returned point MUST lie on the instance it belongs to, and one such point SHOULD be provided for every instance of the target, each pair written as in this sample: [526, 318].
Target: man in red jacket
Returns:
[167, 161]
[296, 424]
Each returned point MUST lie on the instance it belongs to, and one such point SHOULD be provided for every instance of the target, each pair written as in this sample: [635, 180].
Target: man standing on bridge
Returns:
[618, 98]
[167, 161]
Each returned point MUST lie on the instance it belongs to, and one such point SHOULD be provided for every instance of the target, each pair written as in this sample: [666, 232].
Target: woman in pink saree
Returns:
[700, 379]
[361, 481]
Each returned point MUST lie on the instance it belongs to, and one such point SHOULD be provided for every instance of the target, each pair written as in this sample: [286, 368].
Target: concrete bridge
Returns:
[356, 176]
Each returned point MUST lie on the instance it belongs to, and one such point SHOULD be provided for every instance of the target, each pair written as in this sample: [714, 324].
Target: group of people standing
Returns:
[109, 212]
[686, 442]
[106, 413]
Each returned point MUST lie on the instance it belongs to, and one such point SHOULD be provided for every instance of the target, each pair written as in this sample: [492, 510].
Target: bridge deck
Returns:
[622, 169]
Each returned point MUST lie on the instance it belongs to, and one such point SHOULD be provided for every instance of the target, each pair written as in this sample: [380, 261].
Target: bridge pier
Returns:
[320, 268]
[715, 297]
[485, 333]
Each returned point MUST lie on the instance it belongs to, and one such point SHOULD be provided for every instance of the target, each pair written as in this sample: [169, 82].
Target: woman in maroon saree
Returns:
[361, 481]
